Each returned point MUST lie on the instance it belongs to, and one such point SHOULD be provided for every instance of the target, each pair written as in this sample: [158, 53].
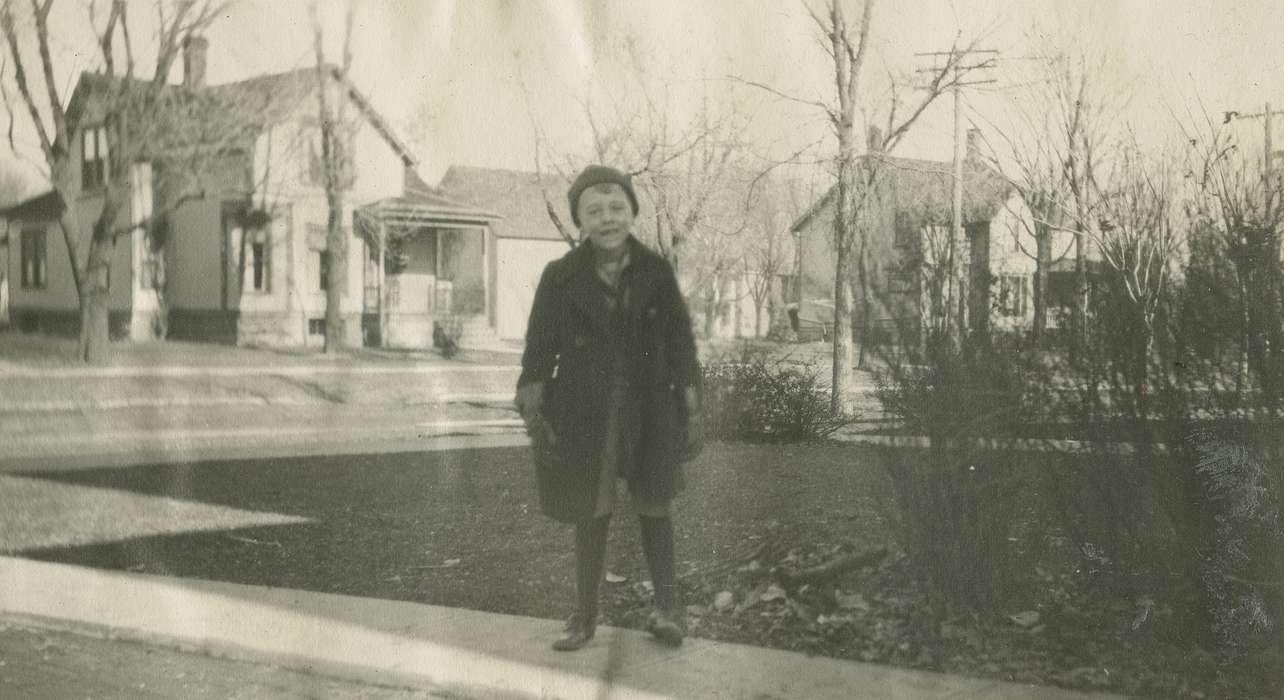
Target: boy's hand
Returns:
[530, 404]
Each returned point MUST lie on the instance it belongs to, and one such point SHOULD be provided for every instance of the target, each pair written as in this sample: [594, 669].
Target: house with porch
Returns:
[239, 258]
[908, 248]
[525, 238]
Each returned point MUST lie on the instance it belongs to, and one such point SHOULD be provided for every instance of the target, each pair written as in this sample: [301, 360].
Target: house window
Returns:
[316, 326]
[258, 259]
[93, 161]
[322, 266]
[35, 260]
[1014, 295]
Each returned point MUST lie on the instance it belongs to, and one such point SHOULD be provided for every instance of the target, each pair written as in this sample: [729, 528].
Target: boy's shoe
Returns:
[668, 626]
[579, 632]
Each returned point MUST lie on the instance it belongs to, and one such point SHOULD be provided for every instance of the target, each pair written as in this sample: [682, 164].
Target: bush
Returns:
[958, 509]
[756, 398]
[1245, 469]
[960, 500]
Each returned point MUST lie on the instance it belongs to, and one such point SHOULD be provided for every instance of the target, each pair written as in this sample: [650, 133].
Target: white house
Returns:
[241, 261]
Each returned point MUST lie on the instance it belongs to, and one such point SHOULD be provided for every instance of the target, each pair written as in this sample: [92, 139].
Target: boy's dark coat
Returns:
[569, 335]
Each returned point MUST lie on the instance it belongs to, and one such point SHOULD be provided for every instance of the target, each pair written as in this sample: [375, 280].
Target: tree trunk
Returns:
[162, 301]
[711, 309]
[1042, 265]
[866, 306]
[757, 316]
[1079, 342]
[737, 308]
[95, 295]
[842, 377]
[335, 256]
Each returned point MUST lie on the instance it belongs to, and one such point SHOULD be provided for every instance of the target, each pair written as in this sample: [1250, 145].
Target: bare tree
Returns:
[1086, 110]
[1050, 144]
[1139, 239]
[1039, 179]
[772, 206]
[336, 168]
[135, 116]
[1234, 199]
[685, 168]
[859, 187]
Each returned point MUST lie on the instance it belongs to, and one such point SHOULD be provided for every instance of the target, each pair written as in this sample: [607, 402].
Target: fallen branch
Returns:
[248, 540]
[831, 569]
[762, 552]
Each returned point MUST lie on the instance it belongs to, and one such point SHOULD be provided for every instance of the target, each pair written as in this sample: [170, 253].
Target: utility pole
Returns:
[1270, 261]
[957, 287]
[1268, 154]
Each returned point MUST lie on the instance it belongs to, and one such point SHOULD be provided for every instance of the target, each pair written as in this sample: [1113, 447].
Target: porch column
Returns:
[485, 235]
[379, 275]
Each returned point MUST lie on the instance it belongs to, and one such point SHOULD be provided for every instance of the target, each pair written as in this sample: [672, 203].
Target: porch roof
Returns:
[43, 206]
[425, 208]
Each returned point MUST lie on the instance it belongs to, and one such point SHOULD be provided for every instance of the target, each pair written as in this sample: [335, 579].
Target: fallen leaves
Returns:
[851, 601]
[1025, 618]
[447, 564]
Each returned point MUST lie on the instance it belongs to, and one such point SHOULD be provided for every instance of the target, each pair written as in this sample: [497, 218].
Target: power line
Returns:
[953, 72]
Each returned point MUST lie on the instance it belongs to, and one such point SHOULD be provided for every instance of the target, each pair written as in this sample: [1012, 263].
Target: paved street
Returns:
[40, 662]
[186, 411]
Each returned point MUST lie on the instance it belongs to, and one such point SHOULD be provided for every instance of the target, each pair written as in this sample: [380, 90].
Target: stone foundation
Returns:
[65, 323]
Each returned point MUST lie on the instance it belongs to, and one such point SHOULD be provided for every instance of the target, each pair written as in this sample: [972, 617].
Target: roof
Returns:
[41, 206]
[250, 104]
[427, 207]
[515, 195]
[925, 187]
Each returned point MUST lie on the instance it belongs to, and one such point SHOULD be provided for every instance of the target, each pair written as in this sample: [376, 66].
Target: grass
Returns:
[463, 529]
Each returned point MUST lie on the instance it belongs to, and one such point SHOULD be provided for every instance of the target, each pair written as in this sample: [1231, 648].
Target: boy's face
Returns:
[606, 216]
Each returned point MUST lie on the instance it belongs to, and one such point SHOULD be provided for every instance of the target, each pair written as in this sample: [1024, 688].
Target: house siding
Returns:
[521, 262]
[899, 274]
[58, 297]
[208, 299]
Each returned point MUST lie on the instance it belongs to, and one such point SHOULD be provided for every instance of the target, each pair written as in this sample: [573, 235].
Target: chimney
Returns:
[874, 140]
[973, 144]
[194, 49]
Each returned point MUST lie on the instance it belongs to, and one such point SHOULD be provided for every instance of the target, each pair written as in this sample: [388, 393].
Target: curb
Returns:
[466, 652]
[1018, 444]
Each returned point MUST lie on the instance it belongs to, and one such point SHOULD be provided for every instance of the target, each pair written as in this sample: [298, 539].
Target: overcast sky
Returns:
[450, 70]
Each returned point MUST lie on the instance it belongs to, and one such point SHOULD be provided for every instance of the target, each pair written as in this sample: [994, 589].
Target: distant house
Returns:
[907, 248]
[243, 260]
[525, 237]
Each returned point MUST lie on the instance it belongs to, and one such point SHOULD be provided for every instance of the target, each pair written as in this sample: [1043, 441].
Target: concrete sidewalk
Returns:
[460, 652]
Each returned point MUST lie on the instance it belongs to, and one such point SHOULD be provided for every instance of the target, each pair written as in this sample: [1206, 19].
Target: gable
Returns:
[219, 113]
[516, 196]
[923, 190]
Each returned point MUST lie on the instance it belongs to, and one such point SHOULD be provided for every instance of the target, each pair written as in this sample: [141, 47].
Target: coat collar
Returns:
[583, 285]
